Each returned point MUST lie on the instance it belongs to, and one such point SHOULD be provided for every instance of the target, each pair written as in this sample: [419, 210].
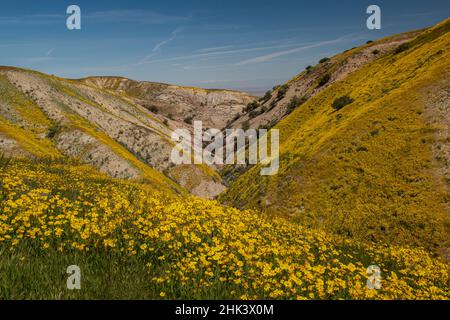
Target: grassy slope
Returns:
[132, 242]
[363, 171]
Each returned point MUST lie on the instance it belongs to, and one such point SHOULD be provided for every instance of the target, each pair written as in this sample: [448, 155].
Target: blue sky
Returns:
[249, 45]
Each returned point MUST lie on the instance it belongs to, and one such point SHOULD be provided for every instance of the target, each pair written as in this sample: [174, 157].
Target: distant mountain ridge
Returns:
[215, 107]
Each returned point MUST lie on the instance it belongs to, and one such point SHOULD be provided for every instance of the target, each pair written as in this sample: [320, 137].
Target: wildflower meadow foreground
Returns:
[132, 242]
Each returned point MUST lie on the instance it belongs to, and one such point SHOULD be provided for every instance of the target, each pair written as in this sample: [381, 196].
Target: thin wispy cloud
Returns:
[193, 56]
[269, 57]
[218, 53]
[139, 39]
[49, 52]
[163, 43]
[38, 59]
[419, 14]
[33, 19]
[44, 58]
[159, 45]
[205, 67]
[212, 49]
[7, 45]
[221, 27]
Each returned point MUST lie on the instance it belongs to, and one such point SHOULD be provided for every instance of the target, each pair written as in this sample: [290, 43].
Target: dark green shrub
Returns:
[403, 47]
[273, 104]
[341, 102]
[253, 114]
[153, 109]
[324, 80]
[295, 102]
[53, 130]
[362, 149]
[282, 91]
[266, 97]
[188, 120]
[252, 106]
[324, 60]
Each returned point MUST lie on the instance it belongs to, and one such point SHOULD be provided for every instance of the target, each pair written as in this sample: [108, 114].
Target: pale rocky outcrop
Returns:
[104, 121]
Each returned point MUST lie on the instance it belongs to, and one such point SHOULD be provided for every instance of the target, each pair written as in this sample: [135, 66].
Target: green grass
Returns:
[30, 273]
[34, 274]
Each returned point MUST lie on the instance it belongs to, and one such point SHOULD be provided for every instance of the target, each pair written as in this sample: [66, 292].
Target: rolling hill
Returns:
[120, 126]
[363, 181]
[364, 148]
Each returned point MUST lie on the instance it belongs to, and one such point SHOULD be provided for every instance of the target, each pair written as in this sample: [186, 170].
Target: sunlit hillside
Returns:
[367, 157]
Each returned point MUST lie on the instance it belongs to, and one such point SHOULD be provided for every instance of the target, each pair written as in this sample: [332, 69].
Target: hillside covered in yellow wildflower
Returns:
[133, 242]
[85, 180]
[366, 156]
